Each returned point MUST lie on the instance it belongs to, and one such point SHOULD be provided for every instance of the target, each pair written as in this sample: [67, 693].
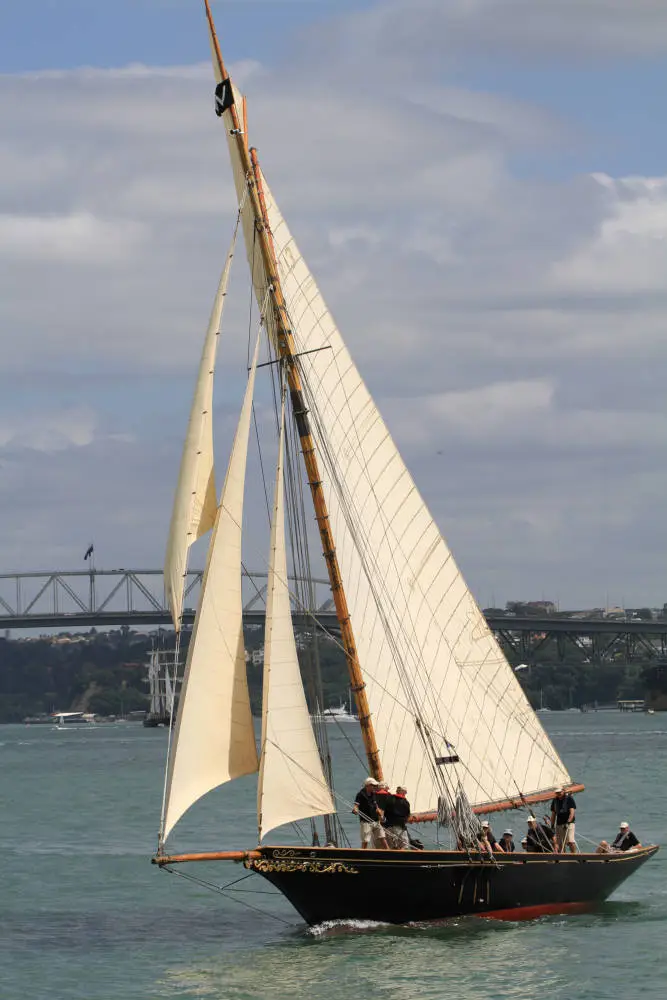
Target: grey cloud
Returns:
[449, 278]
[449, 31]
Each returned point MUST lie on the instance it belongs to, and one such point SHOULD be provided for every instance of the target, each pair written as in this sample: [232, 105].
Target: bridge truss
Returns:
[135, 597]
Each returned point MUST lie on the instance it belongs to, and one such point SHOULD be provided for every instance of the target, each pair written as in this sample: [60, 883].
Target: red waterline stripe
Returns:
[531, 912]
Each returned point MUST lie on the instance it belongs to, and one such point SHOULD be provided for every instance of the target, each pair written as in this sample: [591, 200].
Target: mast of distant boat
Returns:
[286, 351]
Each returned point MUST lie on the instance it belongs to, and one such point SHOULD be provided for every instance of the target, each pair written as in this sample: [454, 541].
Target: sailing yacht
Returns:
[439, 707]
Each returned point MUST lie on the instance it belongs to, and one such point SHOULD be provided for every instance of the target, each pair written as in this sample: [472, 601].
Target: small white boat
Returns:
[66, 719]
[339, 714]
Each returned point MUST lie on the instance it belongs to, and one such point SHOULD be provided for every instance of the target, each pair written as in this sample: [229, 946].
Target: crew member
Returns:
[490, 836]
[625, 838]
[384, 797]
[507, 842]
[563, 809]
[483, 841]
[540, 838]
[369, 813]
[397, 813]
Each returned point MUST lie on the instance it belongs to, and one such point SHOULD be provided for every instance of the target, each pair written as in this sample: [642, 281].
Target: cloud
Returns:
[78, 238]
[49, 431]
[507, 416]
[628, 253]
[519, 29]
[510, 325]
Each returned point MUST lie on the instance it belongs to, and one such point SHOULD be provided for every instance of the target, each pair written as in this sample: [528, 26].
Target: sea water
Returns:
[83, 914]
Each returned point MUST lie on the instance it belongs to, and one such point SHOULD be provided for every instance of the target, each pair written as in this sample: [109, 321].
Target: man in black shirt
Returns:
[540, 838]
[396, 816]
[369, 813]
[625, 839]
[507, 842]
[562, 820]
[491, 837]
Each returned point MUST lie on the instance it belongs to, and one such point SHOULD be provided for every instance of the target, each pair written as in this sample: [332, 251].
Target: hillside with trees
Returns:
[105, 673]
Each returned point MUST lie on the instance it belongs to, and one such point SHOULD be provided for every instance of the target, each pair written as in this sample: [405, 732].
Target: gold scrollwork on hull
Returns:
[315, 867]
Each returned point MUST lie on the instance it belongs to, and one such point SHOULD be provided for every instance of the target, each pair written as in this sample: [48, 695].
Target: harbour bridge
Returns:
[104, 599]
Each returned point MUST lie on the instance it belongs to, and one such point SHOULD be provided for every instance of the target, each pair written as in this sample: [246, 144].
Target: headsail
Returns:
[195, 504]
[442, 695]
[214, 740]
[291, 781]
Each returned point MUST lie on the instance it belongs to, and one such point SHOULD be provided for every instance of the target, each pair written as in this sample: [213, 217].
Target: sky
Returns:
[479, 186]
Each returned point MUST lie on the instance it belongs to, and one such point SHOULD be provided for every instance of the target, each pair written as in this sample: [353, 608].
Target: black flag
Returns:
[224, 97]
[89, 552]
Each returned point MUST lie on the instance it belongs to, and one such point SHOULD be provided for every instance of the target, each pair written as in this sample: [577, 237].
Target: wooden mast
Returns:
[286, 350]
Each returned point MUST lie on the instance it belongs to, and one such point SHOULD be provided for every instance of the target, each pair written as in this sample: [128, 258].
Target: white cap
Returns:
[624, 824]
[531, 819]
[370, 781]
[508, 833]
[485, 823]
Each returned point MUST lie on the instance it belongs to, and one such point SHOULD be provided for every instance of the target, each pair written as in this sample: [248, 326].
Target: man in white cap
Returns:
[563, 808]
[491, 837]
[367, 809]
[507, 842]
[625, 838]
[540, 838]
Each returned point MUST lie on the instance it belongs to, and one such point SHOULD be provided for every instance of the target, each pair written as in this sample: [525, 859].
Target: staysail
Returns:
[214, 739]
[195, 499]
[445, 702]
[291, 781]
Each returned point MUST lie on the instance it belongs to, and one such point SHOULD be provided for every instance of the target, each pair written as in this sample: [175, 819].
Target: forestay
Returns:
[214, 739]
[438, 684]
[291, 785]
[195, 504]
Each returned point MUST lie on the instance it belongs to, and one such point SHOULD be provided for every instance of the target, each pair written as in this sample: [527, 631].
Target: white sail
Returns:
[195, 504]
[292, 785]
[214, 739]
[438, 684]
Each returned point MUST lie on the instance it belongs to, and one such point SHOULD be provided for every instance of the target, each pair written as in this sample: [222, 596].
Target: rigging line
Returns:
[249, 576]
[416, 710]
[261, 461]
[298, 539]
[216, 888]
[368, 561]
[391, 639]
[254, 412]
[364, 551]
[262, 323]
[401, 624]
[352, 746]
[252, 289]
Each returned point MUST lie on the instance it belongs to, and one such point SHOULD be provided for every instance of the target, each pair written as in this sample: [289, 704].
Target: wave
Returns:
[332, 927]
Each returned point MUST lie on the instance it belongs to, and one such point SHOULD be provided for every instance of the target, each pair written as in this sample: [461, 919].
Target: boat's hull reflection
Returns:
[400, 887]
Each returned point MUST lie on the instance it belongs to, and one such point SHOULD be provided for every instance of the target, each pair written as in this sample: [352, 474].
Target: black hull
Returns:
[401, 887]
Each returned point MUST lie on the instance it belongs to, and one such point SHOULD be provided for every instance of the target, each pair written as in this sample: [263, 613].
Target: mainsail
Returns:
[446, 706]
[214, 739]
[194, 507]
[291, 781]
